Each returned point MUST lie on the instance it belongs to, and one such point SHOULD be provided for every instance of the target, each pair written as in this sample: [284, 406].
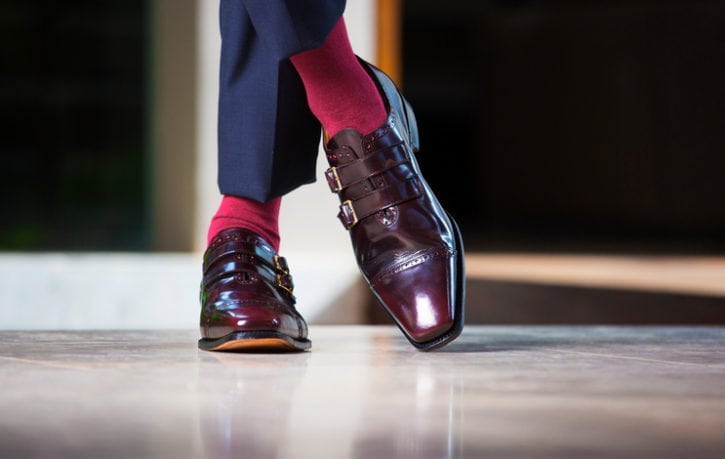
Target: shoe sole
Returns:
[255, 341]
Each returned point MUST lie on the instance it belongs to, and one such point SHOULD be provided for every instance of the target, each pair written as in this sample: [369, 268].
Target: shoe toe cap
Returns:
[420, 298]
[250, 317]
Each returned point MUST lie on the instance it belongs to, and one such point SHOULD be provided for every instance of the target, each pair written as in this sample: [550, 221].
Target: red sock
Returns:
[340, 93]
[236, 212]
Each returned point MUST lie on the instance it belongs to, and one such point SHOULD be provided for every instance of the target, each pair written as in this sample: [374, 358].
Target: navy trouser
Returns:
[268, 138]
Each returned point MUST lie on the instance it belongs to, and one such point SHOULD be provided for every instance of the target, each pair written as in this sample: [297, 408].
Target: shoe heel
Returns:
[412, 126]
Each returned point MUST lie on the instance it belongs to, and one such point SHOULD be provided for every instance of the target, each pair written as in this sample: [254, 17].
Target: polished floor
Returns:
[500, 392]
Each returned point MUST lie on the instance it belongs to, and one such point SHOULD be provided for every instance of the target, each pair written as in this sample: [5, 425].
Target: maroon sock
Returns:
[236, 212]
[340, 93]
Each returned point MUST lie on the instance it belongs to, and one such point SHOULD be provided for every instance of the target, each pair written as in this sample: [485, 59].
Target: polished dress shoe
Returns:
[408, 248]
[246, 297]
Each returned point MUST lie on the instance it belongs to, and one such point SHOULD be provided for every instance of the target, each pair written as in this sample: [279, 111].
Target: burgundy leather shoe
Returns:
[408, 248]
[246, 297]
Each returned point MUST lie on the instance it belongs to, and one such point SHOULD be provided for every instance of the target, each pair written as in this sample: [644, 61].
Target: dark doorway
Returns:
[578, 126]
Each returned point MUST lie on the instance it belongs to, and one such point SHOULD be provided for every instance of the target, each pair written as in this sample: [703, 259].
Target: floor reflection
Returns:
[336, 402]
[546, 392]
[365, 393]
[415, 408]
[245, 403]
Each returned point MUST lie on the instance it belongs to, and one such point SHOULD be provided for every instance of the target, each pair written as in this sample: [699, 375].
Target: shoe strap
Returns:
[352, 211]
[236, 253]
[243, 263]
[342, 176]
[265, 253]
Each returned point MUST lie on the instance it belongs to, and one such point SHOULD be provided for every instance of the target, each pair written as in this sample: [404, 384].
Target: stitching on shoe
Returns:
[236, 235]
[423, 257]
[367, 141]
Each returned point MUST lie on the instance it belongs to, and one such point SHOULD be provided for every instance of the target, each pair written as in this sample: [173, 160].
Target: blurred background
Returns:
[579, 145]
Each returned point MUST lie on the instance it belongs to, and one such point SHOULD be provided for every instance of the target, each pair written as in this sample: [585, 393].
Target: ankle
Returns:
[237, 212]
[340, 92]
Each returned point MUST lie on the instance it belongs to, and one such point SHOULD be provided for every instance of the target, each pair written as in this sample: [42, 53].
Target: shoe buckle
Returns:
[286, 286]
[284, 280]
[347, 215]
[280, 264]
[333, 180]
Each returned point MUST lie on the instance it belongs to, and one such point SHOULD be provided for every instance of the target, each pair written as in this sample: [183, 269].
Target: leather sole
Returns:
[255, 341]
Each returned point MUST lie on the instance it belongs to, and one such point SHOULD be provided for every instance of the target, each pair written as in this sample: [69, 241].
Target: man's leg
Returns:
[408, 248]
[268, 142]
